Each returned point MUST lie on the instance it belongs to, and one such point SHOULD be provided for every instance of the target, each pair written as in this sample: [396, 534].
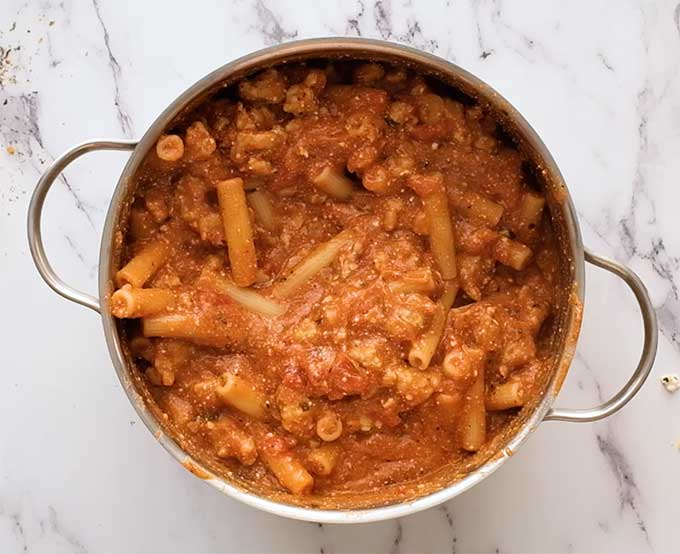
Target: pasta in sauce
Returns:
[337, 278]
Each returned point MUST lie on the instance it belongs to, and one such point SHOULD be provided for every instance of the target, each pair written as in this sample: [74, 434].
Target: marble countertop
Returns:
[600, 83]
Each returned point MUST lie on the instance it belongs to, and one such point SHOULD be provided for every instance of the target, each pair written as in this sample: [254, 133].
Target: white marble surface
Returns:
[600, 81]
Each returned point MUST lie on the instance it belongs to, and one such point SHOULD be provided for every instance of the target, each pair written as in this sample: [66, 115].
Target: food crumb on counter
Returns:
[671, 382]
[11, 150]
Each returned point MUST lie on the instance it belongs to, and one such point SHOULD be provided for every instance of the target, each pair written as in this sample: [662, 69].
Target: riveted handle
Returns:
[639, 376]
[35, 208]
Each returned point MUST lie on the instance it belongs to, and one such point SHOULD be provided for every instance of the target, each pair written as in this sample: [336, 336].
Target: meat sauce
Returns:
[325, 390]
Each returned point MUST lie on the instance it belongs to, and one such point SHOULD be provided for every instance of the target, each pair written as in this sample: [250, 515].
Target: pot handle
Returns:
[35, 208]
[630, 389]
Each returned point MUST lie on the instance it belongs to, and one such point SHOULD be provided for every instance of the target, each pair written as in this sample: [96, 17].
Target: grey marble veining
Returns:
[123, 118]
[600, 83]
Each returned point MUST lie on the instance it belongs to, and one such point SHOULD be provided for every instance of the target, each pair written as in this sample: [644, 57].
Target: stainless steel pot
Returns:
[562, 213]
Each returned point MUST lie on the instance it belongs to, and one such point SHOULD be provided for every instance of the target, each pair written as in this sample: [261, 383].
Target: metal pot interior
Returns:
[562, 335]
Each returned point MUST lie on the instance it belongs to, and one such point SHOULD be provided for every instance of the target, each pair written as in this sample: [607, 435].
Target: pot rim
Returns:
[321, 47]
